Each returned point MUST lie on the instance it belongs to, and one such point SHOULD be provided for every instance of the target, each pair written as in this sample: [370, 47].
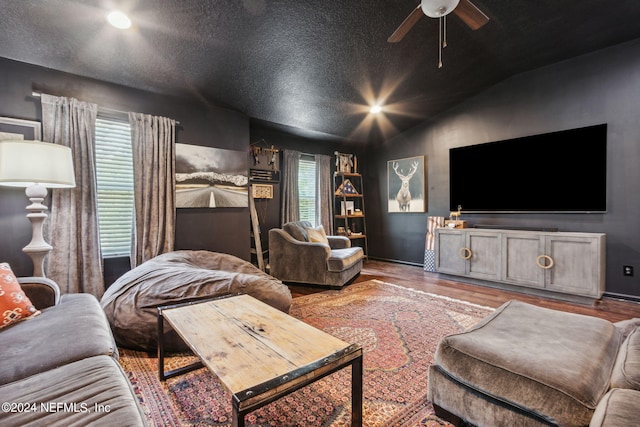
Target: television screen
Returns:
[562, 171]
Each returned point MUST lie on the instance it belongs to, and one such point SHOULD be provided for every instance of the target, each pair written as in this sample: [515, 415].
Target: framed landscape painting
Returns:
[406, 186]
[208, 177]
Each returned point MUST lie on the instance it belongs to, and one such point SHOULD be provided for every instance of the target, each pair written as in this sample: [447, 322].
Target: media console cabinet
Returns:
[568, 266]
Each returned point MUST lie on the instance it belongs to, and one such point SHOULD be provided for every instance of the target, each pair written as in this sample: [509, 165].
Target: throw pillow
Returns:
[14, 304]
[317, 234]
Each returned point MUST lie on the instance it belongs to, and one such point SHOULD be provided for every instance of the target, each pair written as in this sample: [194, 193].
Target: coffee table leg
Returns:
[161, 345]
[356, 392]
[238, 417]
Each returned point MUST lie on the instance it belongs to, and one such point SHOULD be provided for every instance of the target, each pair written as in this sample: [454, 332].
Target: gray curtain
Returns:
[324, 205]
[76, 261]
[153, 140]
[290, 204]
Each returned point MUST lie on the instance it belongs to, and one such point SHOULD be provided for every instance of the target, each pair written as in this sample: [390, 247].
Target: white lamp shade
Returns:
[25, 163]
[438, 8]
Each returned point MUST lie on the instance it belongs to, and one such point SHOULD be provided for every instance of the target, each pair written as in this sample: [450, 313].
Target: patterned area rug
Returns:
[398, 329]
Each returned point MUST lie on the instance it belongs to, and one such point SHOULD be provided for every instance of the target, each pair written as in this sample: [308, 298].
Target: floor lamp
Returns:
[37, 166]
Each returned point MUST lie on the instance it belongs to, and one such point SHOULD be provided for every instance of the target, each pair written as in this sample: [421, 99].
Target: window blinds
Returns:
[114, 173]
[307, 189]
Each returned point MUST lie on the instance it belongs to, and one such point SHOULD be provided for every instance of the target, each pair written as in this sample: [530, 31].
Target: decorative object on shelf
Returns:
[455, 223]
[346, 188]
[456, 215]
[454, 220]
[406, 185]
[346, 208]
[37, 166]
[262, 153]
[208, 177]
[344, 162]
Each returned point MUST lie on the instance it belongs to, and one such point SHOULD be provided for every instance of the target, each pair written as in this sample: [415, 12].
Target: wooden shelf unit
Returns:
[343, 220]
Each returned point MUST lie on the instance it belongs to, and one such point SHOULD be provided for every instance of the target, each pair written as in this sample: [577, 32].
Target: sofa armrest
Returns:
[339, 242]
[42, 292]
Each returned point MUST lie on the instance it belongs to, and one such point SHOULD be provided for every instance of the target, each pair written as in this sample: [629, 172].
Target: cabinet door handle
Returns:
[465, 253]
[546, 264]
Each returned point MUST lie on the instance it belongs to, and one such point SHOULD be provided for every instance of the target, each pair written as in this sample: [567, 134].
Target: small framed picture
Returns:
[262, 191]
[19, 129]
[346, 208]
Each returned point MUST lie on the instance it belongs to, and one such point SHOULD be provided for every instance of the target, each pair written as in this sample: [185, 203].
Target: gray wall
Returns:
[603, 87]
[222, 230]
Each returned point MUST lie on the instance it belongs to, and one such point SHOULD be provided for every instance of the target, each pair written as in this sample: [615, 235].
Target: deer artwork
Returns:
[404, 195]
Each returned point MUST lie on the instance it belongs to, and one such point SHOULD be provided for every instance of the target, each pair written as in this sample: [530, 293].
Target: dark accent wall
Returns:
[602, 87]
[269, 211]
[202, 123]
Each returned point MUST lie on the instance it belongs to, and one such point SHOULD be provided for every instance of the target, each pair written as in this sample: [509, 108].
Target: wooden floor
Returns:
[415, 277]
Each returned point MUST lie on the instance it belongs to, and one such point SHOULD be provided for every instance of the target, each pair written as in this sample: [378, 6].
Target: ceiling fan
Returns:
[468, 12]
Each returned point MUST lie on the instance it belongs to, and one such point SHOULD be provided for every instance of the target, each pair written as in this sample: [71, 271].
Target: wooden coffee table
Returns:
[258, 352]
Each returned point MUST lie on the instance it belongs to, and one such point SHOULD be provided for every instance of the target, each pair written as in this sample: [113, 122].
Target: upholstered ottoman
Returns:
[525, 366]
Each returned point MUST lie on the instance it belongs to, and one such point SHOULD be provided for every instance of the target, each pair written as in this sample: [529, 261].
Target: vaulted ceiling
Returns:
[313, 65]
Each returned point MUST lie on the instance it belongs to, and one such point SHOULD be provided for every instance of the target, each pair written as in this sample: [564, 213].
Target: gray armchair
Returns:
[293, 259]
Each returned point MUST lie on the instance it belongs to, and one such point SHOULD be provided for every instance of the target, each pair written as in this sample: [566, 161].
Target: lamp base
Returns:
[38, 248]
[37, 257]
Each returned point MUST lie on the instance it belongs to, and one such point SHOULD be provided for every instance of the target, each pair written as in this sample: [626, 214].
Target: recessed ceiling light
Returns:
[119, 20]
[375, 109]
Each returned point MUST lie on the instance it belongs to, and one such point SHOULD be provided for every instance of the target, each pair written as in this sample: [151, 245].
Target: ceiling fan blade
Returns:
[470, 14]
[406, 25]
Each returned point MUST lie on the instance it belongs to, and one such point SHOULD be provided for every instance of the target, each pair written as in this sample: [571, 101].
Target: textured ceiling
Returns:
[309, 64]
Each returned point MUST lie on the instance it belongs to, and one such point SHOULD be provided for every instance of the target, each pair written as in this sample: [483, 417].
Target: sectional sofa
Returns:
[60, 367]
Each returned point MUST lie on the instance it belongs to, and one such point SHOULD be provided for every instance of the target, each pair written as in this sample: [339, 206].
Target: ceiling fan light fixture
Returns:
[438, 8]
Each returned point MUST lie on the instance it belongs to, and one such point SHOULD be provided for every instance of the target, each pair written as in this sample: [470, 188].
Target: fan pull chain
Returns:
[444, 31]
[442, 39]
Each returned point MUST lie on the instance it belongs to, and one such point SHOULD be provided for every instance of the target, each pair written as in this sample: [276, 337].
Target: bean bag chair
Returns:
[131, 302]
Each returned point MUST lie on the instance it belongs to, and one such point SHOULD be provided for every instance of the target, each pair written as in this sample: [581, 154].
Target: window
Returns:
[114, 174]
[307, 189]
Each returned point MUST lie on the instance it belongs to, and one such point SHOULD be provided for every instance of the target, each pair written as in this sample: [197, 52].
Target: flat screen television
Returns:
[559, 172]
